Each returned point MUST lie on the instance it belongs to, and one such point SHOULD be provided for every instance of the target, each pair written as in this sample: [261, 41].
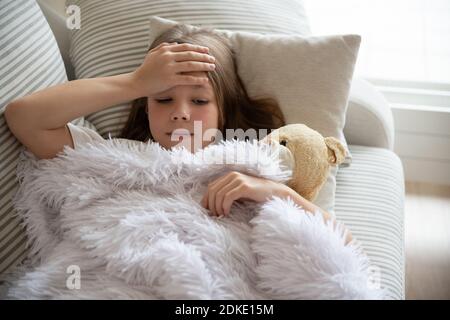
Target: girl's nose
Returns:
[180, 114]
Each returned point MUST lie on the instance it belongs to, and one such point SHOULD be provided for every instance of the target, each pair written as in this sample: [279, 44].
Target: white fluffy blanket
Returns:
[119, 220]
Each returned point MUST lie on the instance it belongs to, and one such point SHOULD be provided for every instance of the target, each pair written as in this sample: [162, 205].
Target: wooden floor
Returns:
[427, 233]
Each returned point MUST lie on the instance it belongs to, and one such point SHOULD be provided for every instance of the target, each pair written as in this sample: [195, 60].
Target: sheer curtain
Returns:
[405, 43]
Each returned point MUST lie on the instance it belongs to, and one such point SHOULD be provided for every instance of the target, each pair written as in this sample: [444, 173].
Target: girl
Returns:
[181, 81]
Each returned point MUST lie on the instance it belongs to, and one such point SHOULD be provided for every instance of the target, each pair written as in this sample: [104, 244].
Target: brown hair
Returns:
[236, 109]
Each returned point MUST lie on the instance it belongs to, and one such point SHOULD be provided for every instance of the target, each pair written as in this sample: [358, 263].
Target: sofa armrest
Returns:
[56, 18]
[369, 120]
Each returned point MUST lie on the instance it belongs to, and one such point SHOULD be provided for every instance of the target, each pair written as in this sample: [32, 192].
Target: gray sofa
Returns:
[370, 192]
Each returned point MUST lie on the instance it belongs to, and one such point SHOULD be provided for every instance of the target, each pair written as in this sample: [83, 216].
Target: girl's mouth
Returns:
[180, 134]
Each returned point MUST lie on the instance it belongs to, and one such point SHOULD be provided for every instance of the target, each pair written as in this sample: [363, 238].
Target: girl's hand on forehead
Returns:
[166, 65]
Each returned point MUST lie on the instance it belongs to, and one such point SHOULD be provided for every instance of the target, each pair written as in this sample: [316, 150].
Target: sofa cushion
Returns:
[369, 200]
[30, 61]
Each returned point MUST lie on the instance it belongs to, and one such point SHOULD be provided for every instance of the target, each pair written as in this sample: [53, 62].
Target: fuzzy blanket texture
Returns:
[120, 220]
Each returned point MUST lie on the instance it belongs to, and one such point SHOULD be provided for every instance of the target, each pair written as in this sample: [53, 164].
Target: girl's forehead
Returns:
[202, 88]
[189, 88]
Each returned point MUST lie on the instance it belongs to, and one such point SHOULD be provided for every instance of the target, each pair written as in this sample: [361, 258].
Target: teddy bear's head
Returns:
[308, 154]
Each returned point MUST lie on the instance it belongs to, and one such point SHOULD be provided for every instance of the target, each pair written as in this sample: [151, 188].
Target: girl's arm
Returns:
[39, 120]
[235, 185]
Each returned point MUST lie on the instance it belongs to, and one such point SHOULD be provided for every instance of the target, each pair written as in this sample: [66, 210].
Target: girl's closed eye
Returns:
[200, 101]
[196, 101]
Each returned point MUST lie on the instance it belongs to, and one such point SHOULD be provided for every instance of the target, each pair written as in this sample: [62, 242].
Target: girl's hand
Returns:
[164, 65]
[235, 185]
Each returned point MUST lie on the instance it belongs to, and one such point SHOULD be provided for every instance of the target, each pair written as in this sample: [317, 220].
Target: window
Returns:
[405, 47]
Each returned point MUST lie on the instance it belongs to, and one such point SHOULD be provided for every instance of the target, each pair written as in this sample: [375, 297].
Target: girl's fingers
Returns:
[193, 56]
[215, 192]
[190, 80]
[204, 201]
[159, 46]
[193, 66]
[211, 203]
[222, 194]
[212, 191]
[218, 180]
[188, 47]
[230, 197]
[209, 199]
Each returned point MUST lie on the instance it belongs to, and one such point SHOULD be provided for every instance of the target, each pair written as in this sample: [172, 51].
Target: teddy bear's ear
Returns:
[336, 151]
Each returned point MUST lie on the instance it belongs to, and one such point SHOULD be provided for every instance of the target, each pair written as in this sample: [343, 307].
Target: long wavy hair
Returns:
[236, 109]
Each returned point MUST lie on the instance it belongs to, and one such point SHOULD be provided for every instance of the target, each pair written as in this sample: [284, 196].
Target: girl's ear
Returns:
[336, 151]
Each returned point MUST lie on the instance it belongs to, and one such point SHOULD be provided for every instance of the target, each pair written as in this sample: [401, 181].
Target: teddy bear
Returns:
[308, 154]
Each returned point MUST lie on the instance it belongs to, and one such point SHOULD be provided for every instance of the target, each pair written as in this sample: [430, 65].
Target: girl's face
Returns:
[171, 116]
